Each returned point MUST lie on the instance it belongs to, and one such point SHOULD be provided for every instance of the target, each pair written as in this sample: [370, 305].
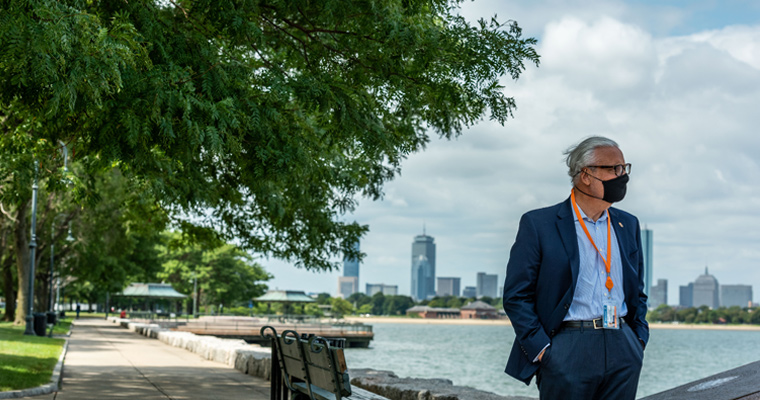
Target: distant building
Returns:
[487, 284]
[686, 295]
[448, 287]
[479, 310]
[647, 240]
[433, 312]
[351, 264]
[470, 292]
[706, 291]
[736, 295]
[423, 267]
[347, 285]
[659, 294]
[420, 278]
[387, 290]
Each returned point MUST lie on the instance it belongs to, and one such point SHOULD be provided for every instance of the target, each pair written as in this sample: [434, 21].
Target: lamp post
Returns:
[32, 253]
[69, 238]
[195, 296]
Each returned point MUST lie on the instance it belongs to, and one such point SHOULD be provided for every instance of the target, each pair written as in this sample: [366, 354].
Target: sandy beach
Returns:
[431, 321]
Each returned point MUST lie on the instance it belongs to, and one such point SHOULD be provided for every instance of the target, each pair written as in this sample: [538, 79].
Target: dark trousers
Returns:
[589, 364]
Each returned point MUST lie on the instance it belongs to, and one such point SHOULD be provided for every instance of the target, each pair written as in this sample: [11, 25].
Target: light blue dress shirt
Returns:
[590, 292]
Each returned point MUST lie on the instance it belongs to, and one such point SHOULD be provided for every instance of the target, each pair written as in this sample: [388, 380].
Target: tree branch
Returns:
[7, 214]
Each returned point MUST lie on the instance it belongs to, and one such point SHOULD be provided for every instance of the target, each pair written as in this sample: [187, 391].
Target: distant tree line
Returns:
[704, 315]
[362, 304]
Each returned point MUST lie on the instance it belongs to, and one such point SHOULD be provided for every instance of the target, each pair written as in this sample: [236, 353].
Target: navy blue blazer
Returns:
[542, 273]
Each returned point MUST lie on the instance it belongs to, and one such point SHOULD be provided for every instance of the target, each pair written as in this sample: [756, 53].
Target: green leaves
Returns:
[261, 120]
[225, 274]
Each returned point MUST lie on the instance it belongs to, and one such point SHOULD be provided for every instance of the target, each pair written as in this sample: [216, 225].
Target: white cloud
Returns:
[683, 109]
[605, 54]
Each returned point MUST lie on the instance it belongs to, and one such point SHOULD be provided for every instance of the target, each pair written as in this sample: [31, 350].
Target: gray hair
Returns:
[582, 154]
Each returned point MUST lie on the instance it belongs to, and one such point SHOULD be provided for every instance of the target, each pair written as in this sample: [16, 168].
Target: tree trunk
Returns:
[21, 247]
[6, 264]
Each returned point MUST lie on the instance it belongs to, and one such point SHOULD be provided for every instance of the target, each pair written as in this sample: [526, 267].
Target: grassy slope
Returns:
[27, 361]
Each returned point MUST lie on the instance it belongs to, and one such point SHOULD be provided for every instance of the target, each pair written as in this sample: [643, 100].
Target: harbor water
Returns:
[475, 356]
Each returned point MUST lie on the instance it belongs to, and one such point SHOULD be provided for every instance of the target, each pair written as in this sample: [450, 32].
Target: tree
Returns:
[323, 298]
[116, 235]
[359, 299]
[378, 303]
[397, 305]
[225, 273]
[365, 309]
[341, 307]
[273, 115]
[754, 316]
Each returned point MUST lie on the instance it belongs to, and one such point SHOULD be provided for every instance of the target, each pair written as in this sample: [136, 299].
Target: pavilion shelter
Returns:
[154, 298]
[286, 297]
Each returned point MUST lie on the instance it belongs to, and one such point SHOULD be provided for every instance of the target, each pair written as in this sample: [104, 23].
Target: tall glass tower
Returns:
[646, 244]
[351, 265]
[423, 267]
[348, 284]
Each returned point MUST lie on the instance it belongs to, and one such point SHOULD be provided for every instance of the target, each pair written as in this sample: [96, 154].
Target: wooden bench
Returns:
[310, 369]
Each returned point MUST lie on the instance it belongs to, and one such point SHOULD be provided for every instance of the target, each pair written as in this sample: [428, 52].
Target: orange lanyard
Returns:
[608, 260]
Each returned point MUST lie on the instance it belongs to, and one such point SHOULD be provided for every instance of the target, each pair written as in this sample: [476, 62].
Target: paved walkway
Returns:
[105, 361]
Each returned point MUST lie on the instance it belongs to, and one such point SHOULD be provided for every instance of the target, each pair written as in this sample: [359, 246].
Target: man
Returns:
[574, 289]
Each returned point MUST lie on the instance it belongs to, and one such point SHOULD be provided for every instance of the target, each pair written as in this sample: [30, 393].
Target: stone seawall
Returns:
[255, 360]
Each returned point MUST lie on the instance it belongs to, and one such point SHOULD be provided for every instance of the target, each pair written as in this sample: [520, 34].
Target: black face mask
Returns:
[614, 189]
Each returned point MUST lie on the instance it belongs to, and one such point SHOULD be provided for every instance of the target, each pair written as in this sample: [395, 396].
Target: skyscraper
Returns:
[735, 295]
[646, 243]
[351, 264]
[423, 267]
[706, 291]
[659, 294]
[421, 273]
[686, 295]
[470, 292]
[348, 284]
[448, 286]
[387, 290]
[487, 284]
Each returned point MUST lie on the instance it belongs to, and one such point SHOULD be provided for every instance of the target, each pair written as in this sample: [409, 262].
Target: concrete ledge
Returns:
[739, 383]
[388, 384]
[55, 381]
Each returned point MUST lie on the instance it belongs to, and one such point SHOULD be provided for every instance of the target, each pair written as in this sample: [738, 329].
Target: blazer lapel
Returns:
[626, 244]
[566, 228]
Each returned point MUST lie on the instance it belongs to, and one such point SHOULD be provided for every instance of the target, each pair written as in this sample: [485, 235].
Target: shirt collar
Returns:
[603, 218]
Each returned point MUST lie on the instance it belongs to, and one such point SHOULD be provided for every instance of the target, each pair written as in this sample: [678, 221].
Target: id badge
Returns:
[610, 315]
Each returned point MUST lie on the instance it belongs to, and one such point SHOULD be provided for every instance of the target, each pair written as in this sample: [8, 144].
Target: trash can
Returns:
[40, 324]
[52, 317]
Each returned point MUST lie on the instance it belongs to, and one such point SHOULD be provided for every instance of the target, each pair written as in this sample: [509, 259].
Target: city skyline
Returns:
[675, 85]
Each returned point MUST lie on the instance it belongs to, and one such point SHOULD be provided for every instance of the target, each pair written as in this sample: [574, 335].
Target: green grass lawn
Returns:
[28, 361]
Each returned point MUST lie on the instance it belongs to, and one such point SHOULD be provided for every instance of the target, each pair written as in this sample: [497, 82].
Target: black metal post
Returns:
[52, 264]
[32, 254]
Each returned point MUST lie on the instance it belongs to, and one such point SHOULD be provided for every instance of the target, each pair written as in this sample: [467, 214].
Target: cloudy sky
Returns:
[676, 84]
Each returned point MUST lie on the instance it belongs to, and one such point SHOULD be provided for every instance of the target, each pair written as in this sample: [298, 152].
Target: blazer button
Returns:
[567, 306]
[552, 333]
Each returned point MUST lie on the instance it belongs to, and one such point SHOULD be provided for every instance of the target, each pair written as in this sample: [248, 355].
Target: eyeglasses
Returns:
[618, 169]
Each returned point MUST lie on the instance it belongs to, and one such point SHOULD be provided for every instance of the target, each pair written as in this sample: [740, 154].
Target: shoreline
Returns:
[504, 322]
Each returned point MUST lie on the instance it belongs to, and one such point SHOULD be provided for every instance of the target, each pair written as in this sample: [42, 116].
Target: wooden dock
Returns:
[249, 329]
